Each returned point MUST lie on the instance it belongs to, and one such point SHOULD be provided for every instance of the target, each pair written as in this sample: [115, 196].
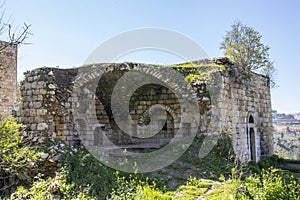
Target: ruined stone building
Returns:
[8, 77]
[230, 102]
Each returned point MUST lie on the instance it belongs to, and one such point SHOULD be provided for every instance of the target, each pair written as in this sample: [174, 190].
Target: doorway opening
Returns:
[251, 139]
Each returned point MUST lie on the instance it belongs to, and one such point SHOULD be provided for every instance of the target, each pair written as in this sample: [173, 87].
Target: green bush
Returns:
[269, 162]
[132, 187]
[100, 181]
[267, 185]
[256, 168]
[16, 158]
[14, 155]
[272, 184]
[51, 188]
[85, 171]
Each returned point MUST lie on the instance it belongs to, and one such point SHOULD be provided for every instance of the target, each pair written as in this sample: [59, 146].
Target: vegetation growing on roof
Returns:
[194, 72]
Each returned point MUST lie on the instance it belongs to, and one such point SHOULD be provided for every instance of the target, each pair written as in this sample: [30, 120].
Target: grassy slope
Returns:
[212, 178]
[219, 161]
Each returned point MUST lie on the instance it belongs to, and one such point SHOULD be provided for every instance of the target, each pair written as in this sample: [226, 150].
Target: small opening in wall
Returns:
[251, 119]
[251, 138]
[165, 127]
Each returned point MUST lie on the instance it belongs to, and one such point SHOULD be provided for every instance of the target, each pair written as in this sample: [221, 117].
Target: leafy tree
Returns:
[242, 44]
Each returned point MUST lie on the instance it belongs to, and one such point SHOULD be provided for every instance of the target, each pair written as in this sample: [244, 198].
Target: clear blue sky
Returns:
[66, 32]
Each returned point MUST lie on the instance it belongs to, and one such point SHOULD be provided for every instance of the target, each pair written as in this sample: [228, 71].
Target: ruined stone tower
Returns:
[8, 77]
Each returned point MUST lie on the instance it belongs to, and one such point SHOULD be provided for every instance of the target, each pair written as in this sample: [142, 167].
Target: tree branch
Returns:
[19, 38]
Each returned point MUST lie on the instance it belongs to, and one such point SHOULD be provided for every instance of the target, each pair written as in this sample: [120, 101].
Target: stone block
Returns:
[51, 86]
[41, 84]
[37, 104]
[33, 127]
[42, 127]
[42, 112]
[42, 91]
[51, 92]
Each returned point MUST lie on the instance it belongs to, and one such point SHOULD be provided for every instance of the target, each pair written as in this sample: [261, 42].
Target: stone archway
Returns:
[99, 82]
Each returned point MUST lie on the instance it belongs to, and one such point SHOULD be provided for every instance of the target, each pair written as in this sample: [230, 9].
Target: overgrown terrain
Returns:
[78, 175]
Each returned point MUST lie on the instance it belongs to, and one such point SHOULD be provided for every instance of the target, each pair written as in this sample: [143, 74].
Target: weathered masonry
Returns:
[230, 100]
[8, 77]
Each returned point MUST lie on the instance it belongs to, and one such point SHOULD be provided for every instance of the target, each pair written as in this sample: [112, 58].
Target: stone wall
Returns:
[238, 104]
[8, 77]
[46, 103]
[241, 97]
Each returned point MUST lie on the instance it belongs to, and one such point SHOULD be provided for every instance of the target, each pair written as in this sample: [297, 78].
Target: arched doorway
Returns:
[251, 140]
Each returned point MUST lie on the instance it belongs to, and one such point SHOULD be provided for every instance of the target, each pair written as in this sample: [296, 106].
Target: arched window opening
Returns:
[251, 139]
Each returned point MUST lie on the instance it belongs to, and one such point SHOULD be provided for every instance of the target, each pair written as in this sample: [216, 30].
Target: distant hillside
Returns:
[286, 134]
[297, 116]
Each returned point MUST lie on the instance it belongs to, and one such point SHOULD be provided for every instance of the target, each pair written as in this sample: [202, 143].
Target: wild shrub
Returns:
[272, 184]
[51, 188]
[87, 172]
[16, 158]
